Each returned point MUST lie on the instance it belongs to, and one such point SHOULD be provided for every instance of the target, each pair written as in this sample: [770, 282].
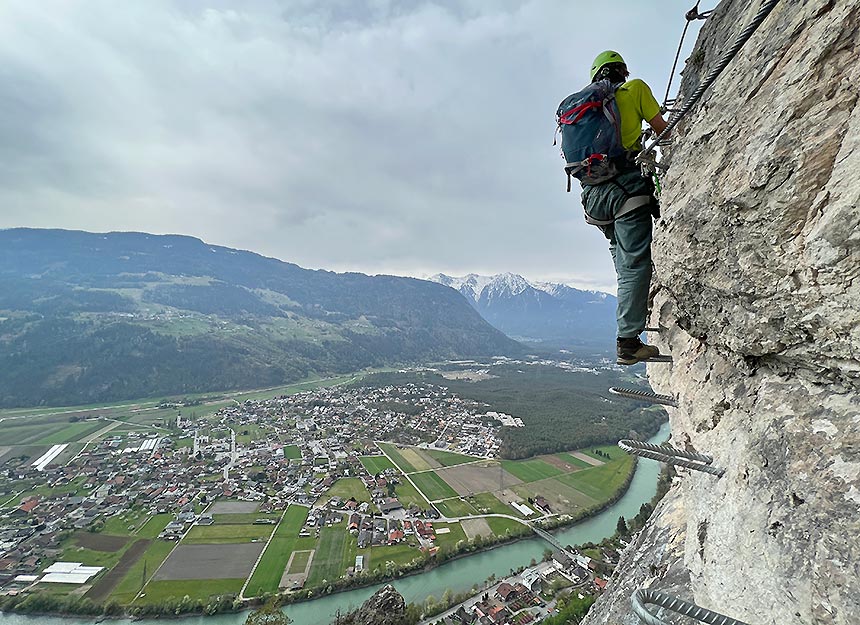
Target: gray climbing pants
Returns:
[629, 237]
[630, 246]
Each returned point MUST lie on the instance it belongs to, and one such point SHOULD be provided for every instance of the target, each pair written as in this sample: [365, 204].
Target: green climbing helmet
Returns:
[610, 56]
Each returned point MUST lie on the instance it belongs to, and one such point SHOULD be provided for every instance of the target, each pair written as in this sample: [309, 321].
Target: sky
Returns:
[380, 136]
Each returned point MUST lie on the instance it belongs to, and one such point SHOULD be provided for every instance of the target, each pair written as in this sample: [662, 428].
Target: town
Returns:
[333, 487]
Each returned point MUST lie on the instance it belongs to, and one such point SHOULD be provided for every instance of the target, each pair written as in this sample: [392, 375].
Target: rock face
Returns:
[385, 607]
[758, 283]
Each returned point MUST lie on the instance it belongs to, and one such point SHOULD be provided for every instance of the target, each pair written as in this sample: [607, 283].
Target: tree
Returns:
[621, 526]
[268, 614]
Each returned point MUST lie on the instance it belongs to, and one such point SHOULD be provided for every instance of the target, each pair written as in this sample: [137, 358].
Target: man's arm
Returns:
[658, 123]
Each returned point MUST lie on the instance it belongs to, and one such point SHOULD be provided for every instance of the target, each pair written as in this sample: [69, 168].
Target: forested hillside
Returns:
[561, 409]
[90, 317]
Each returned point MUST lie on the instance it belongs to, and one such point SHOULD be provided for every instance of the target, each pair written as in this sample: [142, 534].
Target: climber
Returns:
[615, 195]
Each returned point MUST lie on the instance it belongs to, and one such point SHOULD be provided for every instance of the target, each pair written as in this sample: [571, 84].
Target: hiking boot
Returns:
[630, 351]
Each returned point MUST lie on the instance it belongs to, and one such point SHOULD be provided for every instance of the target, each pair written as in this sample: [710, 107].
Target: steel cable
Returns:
[725, 59]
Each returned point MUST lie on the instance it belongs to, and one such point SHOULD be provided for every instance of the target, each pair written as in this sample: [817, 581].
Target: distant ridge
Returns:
[88, 317]
[543, 312]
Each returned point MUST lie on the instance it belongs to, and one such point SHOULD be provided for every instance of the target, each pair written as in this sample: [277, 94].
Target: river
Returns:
[458, 575]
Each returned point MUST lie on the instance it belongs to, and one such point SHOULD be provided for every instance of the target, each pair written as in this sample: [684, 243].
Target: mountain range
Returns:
[87, 317]
[542, 312]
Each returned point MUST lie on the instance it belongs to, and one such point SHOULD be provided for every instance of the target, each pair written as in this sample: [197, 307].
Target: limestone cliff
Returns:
[758, 284]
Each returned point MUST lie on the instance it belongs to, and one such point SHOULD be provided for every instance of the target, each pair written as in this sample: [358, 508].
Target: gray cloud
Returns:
[376, 135]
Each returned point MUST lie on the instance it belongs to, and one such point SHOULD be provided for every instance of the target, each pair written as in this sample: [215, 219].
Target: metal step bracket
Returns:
[660, 358]
[644, 596]
[643, 395]
[671, 455]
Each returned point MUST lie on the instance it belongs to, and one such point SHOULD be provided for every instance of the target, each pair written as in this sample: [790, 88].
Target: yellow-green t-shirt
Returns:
[636, 104]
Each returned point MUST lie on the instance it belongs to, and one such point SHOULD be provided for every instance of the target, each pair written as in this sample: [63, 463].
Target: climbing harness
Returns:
[630, 205]
[672, 455]
[644, 596]
[725, 59]
[639, 395]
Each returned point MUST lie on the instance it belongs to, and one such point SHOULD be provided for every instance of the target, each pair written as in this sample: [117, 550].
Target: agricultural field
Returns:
[483, 477]
[394, 454]
[574, 462]
[501, 526]
[99, 542]
[398, 554]
[154, 526]
[126, 523]
[448, 458]
[161, 590]
[455, 507]
[346, 488]
[285, 540]
[227, 534]
[476, 527]
[132, 569]
[418, 459]
[450, 538]
[72, 433]
[433, 486]
[105, 585]
[530, 470]
[223, 506]
[216, 561]
[107, 556]
[562, 497]
[488, 503]
[247, 517]
[407, 495]
[376, 464]
[570, 481]
[292, 452]
[600, 481]
[336, 551]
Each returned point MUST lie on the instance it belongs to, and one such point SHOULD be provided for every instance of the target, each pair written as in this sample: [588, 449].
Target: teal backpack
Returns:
[590, 126]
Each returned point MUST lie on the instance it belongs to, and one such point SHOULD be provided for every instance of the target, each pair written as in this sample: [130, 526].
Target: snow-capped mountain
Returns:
[539, 311]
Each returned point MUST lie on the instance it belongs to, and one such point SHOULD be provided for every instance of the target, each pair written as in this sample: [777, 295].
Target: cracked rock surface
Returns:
[758, 285]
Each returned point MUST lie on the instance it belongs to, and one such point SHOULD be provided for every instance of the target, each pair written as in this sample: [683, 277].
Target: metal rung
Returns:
[639, 395]
[660, 358]
[672, 455]
[658, 329]
[679, 606]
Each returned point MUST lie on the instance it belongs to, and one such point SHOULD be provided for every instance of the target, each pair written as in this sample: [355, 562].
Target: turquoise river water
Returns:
[458, 575]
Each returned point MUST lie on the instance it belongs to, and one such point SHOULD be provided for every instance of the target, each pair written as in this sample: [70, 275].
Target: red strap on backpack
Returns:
[579, 111]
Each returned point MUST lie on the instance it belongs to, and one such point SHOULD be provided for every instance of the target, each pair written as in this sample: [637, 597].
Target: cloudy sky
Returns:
[382, 136]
